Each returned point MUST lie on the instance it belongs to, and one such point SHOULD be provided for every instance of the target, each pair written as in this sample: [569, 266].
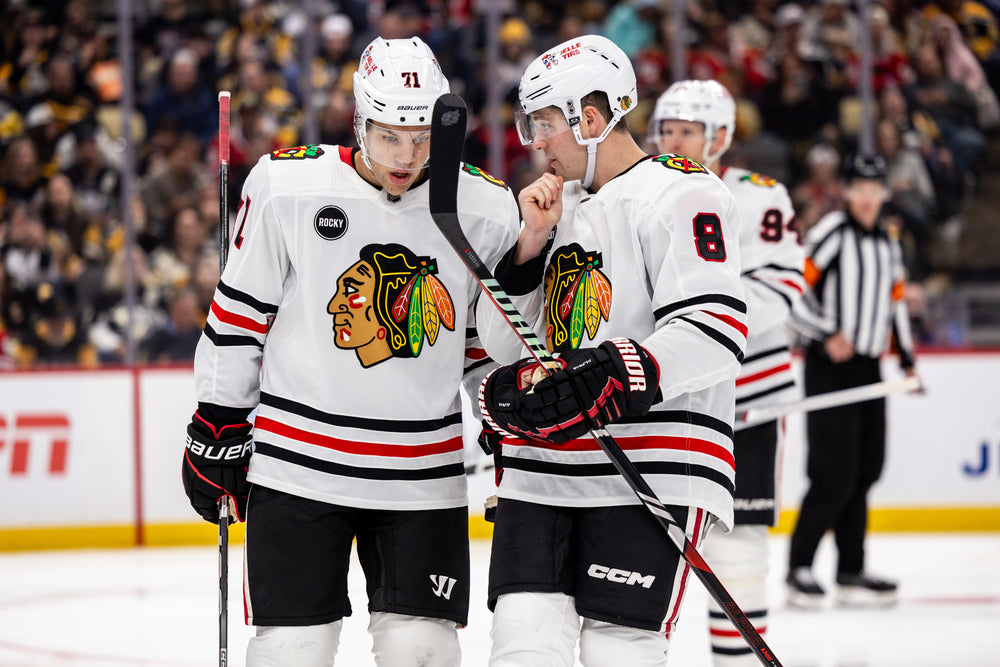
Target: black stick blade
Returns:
[447, 139]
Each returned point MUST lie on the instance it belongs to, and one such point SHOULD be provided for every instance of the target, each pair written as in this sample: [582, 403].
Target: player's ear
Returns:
[592, 122]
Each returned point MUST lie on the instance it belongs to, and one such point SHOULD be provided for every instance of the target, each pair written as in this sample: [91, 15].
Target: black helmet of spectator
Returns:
[862, 166]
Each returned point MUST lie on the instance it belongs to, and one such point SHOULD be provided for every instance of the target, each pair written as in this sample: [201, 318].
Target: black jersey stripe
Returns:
[608, 470]
[768, 285]
[746, 650]
[723, 299]
[717, 336]
[681, 417]
[766, 392]
[765, 353]
[246, 299]
[349, 421]
[479, 363]
[357, 472]
[230, 340]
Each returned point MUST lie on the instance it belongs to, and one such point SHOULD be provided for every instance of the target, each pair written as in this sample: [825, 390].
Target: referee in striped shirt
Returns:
[855, 273]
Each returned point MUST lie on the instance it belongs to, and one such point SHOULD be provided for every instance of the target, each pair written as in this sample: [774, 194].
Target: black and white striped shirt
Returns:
[855, 280]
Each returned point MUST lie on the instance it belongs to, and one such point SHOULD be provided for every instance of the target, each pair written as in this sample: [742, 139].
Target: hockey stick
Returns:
[447, 137]
[830, 399]
[755, 416]
[223, 256]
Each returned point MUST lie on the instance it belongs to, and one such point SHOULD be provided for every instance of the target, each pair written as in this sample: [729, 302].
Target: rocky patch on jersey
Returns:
[297, 153]
[330, 222]
[759, 179]
[387, 303]
[680, 163]
[577, 297]
[476, 171]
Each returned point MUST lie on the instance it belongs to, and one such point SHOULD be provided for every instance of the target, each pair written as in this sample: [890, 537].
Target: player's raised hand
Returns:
[541, 209]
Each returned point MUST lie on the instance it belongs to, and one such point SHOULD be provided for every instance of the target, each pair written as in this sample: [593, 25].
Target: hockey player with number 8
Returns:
[629, 264]
[347, 321]
[697, 118]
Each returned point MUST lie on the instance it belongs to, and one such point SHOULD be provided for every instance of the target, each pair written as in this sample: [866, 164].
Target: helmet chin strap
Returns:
[591, 145]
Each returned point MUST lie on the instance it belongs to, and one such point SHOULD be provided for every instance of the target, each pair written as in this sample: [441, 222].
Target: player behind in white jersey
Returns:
[346, 319]
[639, 291]
[697, 119]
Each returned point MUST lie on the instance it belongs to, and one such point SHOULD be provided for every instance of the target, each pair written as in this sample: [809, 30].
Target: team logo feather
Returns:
[577, 297]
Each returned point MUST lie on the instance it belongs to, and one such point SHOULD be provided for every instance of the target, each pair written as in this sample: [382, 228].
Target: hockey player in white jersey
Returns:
[345, 318]
[638, 290]
[697, 119]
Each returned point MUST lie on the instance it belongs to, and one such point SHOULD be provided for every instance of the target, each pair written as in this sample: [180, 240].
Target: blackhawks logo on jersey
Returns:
[297, 153]
[388, 303]
[476, 171]
[680, 163]
[577, 297]
[759, 179]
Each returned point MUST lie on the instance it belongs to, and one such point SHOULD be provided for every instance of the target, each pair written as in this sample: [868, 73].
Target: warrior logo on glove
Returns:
[387, 303]
[597, 386]
[577, 297]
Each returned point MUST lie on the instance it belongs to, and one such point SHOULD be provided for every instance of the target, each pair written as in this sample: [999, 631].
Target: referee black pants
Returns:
[846, 452]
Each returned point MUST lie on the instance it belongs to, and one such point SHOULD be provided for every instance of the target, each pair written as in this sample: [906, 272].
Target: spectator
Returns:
[109, 331]
[173, 186]
[184, 99]
[961, 66]
[28, 262]
[178, 337]
[173, 265]
[55, 336]
[632, 25]
[821, 192]
[95, 181]
[952, 108]
[890, 66]
[21, 173]
[911, 194]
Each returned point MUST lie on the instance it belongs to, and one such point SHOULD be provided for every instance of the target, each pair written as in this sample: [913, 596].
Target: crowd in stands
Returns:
[794, 69]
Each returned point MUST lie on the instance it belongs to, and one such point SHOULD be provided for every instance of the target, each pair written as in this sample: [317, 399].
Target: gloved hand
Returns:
[215, 461]
[597, 386]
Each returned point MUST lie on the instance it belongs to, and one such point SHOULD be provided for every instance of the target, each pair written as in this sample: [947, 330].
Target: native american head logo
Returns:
[577, 297]
[387, 303]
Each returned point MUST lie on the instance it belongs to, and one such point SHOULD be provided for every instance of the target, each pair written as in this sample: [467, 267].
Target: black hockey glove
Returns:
[215, 462]
[596, 387]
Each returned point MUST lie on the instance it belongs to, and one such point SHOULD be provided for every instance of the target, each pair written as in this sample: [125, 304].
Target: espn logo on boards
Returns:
[17, 435]
[617, 576]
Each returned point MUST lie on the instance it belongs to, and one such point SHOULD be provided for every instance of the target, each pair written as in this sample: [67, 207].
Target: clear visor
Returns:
[397, 148]
[539, 125]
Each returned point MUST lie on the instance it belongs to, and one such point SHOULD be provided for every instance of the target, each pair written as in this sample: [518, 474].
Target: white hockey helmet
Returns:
[397, 83]
[706, 102]
[564, 74]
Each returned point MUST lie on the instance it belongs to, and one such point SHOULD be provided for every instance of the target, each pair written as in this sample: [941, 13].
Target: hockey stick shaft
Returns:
[831, 399]
[447, 137]
[223, 256]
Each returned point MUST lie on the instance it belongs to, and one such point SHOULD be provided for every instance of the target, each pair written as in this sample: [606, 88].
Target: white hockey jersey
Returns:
[772, 258]
[652, 256]
[347, 319]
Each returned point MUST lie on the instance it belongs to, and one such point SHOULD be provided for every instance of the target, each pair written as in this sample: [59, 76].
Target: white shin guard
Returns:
[608, 645]
[303, 646]
[534, 630]
[399, 640]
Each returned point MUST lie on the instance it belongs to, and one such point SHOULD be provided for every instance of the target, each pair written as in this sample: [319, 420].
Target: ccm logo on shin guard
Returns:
[214, 453]
[636, 374]
[617, 576]
[443, 585]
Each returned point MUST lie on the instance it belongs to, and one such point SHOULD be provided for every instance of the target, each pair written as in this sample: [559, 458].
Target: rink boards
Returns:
[92, 458]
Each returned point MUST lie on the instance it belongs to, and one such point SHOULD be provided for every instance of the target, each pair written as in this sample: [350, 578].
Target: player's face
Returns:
[864, 200]
[549, 133]
[353, 307]
[398, 154]
[683, 137]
